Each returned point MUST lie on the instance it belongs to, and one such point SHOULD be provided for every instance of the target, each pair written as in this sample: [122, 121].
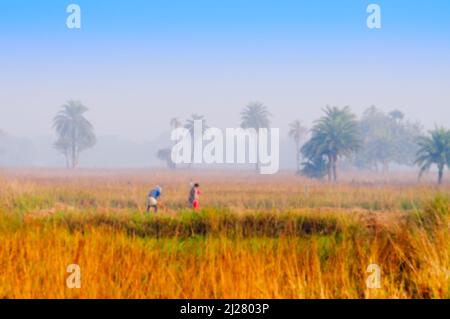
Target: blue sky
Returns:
[209, 17]
[156, 59]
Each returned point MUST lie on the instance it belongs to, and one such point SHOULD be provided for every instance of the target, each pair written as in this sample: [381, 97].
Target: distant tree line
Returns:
[387, 139]
[374, 142]
[255, 115]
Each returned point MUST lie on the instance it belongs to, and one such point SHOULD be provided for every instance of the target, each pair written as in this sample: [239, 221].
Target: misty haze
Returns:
[134, 83]
[224, 149]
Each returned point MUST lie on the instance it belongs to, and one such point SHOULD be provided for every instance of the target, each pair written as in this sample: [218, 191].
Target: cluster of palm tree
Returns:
[334, 136]
[164, 154]
[337, 134]
[75, 133]
[255, 115]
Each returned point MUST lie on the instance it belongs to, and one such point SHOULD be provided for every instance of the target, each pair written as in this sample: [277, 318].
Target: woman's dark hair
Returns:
[196, 185]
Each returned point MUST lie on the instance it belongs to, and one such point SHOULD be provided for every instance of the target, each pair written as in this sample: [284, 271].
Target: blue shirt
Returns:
[155, 193]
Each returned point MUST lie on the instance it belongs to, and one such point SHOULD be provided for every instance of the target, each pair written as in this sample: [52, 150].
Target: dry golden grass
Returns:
[275, 236]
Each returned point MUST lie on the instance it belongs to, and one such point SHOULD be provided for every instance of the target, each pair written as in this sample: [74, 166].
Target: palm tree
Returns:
[297, 131]
[314, 168]
[191, 122]
[75, 132]
[255, 115]
[434, 149]
[334, 135]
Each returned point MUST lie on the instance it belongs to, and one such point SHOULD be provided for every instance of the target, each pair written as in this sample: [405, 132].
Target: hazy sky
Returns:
[136, 64]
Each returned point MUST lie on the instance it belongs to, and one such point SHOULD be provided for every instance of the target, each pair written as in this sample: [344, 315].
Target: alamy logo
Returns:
[235, 146]
[74, 279]
[373, 281]
[374, 18]
[74, 19]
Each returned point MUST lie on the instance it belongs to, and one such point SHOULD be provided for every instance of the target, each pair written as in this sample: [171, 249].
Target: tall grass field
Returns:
[278, 236]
